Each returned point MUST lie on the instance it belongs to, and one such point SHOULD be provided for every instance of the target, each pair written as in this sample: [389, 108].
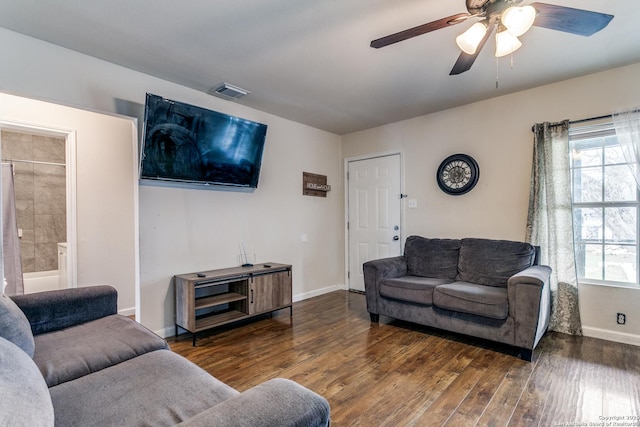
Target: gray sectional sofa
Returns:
[491, 289]
[67, 359]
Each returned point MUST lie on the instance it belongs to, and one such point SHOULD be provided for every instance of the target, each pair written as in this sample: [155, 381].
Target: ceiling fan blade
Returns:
[465, 60]
[419, 30]
[576, 21]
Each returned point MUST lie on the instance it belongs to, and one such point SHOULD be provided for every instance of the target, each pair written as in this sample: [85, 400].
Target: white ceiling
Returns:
[310, 60]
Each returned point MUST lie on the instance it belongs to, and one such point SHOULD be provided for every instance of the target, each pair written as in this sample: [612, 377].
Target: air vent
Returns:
[227, 91]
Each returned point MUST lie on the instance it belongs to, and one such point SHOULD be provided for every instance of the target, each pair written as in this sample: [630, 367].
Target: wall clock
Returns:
[458, 174]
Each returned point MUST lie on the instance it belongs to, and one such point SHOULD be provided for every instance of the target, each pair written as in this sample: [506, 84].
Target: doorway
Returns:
[102, 185]
[374, 222]
[43, 204]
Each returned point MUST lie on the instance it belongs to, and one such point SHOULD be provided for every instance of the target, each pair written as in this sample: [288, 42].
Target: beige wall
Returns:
[497, 133]
[188, 230]
[184, 230]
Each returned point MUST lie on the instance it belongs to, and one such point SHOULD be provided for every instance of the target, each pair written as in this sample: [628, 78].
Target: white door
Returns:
[374, 203]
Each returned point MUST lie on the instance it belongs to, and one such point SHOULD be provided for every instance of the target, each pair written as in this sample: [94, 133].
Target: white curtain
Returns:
[550, 222]
[627, 125]
[10, 242]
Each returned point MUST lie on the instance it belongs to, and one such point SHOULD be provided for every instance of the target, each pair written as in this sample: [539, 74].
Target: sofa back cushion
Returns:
[492, 262]
[436, 258]
[14, 325]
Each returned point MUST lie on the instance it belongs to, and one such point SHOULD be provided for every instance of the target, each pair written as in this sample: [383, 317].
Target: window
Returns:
[605, 208]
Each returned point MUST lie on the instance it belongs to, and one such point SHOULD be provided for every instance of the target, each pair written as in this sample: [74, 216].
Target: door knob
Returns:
[396, 238]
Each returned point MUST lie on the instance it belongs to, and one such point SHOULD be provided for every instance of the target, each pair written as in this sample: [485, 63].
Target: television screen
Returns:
[189, 144]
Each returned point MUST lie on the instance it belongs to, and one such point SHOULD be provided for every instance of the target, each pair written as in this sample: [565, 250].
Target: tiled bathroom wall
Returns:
[40, 196]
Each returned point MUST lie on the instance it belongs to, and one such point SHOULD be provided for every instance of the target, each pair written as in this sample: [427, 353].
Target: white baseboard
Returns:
[608, 335]
[127, 311]
[167, 332]
[317, 292]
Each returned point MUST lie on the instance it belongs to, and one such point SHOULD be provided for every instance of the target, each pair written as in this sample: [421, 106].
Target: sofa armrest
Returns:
[530, 304]
[53, 310]
[385, 268]
[277, 402]
[375, 271]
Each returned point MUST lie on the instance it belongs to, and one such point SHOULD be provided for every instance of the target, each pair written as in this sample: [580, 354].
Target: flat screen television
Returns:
[183, 143]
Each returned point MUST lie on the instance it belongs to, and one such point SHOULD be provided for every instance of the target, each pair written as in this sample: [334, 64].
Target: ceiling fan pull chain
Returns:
[497, 75]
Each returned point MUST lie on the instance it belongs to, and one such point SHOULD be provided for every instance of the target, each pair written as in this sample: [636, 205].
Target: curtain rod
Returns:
[590, 119]
[35, 162]
[573, 122]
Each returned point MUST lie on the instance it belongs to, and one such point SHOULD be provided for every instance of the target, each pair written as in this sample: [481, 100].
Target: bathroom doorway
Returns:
[102, 191]
[43, 198]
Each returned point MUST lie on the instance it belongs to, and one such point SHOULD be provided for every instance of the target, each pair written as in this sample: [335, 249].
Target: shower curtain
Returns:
[10, 242]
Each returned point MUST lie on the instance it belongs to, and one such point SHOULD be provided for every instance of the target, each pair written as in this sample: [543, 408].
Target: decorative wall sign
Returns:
[458, 174]
[314, 185]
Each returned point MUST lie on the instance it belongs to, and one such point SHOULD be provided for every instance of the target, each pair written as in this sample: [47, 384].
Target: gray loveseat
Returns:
[491, 289]
[67, 359]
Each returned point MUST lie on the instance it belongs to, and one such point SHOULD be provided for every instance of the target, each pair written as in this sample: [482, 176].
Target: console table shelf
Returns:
[213, 298]
[208, 322]
[218, 300]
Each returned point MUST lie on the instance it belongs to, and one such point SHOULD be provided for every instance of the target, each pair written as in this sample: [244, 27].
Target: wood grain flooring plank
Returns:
[474, 405]
[576, 393]
[530, 407]
[422, 383]
[378, 367]
[445, 407]
[620, 392]
[500, 408]
[631, 357]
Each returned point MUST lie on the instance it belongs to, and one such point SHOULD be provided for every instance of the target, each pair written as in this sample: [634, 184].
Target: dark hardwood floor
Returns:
[399, 374]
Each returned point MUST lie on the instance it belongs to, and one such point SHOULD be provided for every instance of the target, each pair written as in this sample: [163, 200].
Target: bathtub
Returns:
[40, 281]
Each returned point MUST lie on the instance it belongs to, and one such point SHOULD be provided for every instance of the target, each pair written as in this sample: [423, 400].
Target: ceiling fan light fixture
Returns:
[506, 43]
[469, 40]
[518, 20]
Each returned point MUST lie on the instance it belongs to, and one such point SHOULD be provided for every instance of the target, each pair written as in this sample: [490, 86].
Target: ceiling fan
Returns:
[510, 20]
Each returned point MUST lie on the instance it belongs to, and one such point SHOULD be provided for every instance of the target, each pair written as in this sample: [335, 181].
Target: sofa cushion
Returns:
[24, 397]
[159, 388]
[70, 353]
[414, 289]
[492, 262]
[14, 325]
[436, 258]
[486, 301]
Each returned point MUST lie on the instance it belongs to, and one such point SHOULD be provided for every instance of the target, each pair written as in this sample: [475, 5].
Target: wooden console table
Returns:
[213, 298]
